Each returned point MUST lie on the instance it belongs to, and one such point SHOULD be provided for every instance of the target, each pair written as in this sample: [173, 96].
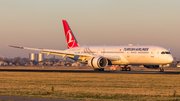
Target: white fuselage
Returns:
[129, 55]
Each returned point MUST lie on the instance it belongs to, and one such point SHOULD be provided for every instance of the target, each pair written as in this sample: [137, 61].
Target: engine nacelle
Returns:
[98, 62]
[152, 66]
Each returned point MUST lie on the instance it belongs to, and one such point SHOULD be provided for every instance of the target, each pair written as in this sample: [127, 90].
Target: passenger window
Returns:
[162, 52]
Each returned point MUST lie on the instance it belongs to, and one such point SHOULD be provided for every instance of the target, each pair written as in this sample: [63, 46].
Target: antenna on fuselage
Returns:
[169, 49]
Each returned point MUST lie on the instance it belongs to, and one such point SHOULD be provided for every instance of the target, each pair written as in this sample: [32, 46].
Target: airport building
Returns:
[36, 57]
[33, 57]
[40, 57]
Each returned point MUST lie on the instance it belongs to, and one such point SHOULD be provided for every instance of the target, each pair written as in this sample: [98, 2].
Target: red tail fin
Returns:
[71, 40]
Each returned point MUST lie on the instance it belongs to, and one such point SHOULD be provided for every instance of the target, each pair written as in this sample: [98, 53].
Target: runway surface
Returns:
[91, 71]
[12, 98]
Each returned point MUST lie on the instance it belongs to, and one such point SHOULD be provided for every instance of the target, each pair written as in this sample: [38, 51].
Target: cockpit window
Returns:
[165, 53]
[162, 52]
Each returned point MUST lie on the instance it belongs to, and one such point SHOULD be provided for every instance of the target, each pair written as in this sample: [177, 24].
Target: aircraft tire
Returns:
[95, 69]
[124, 69]
[99, 69]
[128, 69]
[102, 69]
[161, 69]
[121, 69]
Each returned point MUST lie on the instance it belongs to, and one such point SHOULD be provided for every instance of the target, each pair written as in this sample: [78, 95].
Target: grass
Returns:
[91, 86]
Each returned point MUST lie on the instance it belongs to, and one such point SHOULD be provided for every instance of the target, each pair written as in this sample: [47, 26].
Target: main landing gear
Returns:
[125, 68]
[102, 69]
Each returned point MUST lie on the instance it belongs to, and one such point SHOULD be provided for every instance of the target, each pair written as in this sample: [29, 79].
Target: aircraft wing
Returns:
[70, 54]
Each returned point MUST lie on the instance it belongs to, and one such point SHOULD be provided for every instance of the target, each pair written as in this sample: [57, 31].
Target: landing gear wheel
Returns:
[99, 69]
[128, 69]
[124, 69]
[161, 69]
[121, 69]
[102, 69]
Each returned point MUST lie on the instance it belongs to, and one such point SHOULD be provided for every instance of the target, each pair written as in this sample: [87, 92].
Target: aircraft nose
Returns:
[170, 59]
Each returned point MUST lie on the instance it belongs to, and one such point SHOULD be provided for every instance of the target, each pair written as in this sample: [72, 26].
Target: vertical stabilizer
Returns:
[71, 40]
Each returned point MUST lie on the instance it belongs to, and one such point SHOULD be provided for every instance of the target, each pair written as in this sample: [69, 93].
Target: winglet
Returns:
[70, 38]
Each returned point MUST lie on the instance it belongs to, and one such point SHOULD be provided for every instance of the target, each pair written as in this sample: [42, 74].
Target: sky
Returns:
[38, 23]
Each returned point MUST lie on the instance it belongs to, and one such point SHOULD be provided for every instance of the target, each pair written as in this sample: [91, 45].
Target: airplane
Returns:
[99, 57]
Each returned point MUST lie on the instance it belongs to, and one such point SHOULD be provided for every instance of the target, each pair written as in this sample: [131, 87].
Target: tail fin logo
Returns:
[70, 40]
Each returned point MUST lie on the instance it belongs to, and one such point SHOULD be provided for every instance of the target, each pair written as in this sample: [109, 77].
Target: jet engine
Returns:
[98, 62]
[152, 66]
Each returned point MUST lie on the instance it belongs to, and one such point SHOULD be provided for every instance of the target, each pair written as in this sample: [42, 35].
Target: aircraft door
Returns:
[152, 53]
[154, 57]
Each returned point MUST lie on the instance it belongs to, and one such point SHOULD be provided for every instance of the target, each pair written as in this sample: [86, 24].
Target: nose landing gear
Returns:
[161, 69]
